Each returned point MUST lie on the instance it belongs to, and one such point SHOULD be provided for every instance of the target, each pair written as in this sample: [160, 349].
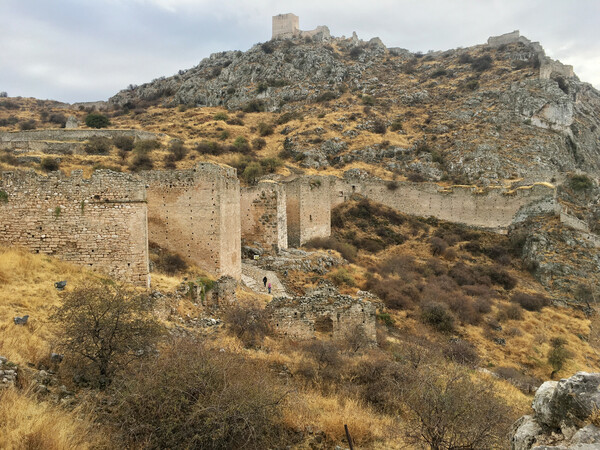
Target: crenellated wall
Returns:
[264, 216]
[196, 213]
[100, 223]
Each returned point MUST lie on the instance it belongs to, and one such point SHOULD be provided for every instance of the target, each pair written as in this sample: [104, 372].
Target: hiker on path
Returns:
[265, 281]
[269, 288]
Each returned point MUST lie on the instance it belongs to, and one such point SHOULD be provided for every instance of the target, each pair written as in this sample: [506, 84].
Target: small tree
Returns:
[97, 120]
[252, 172]
[104, 327]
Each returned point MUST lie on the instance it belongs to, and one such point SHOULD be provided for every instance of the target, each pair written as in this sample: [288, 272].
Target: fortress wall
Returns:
[196, 213]
[493, 209]
[503, 39]
[309, 209]
[263, 216]
[100, 223]
[51, 148]
[550, 67]
[64, 134]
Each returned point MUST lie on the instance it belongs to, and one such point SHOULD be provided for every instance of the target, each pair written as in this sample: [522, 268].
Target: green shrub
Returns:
[396, 125]
[580, 183]
[221, 116]
[261, 87]
[368, 100]
[252, 172]
[558, 354]
[49, 164]
[3, 197]
[97, 120]
[241, 144]
[271, 164]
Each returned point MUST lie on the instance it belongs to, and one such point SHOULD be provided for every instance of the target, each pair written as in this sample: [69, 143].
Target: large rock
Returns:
[561, 416]
[542, 403]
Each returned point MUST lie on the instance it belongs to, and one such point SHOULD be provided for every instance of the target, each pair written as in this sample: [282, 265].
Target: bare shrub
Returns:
[49, 164]
[510, 312]
[249, 323]
[462, 352]
[348, 251]
[438, 246]
[198, 397]
[124, 143]
[530, 302]
[451, 411]
[438, 316]
[103, 327]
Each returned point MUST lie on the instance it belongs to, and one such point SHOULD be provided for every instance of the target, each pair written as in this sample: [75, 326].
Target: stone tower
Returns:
[285, 26]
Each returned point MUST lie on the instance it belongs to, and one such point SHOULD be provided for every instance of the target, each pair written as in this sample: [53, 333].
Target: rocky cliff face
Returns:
[482, 114]
[565, 416]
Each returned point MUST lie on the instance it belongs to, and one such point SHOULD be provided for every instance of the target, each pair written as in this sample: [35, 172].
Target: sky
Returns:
[88, 50]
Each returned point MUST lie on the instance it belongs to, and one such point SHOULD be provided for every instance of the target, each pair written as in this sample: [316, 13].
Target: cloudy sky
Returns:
[86, 50]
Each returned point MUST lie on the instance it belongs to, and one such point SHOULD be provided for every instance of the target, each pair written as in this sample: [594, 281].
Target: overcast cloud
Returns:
[85, 50]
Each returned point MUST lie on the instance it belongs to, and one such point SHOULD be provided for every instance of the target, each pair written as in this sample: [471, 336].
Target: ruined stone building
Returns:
[286, 26]
[325, 313]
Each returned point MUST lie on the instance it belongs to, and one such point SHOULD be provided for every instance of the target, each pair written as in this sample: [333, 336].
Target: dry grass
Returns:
[27, 423]
[28, 289]
[330, 413]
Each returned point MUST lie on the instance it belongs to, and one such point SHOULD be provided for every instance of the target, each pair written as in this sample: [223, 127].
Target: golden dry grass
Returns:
[27, 288]
[27, 423]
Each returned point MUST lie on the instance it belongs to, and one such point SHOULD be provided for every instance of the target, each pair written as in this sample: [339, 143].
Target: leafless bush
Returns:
[530, 302]
[249, 323]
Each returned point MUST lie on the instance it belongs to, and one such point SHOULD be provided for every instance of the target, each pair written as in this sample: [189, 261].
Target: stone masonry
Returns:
[286, 26]
[492, 209]
[264, 216]
[196, 213]
[308, 209]
[100, 223]
[323, 312]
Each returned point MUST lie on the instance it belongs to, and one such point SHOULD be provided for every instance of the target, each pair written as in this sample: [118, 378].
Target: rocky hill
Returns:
[482, 114]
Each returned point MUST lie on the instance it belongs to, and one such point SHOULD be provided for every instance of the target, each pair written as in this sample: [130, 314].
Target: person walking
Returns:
[265, 281]
[269, 288]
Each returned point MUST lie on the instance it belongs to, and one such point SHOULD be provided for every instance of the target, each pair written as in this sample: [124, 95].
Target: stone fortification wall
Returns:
[100, 223]
[77, 135]
[323, 312]
[308, 209]
[196, 213]
[550, 68]
[264, 217]
[61, 141]
[493, 209]
[504, 39]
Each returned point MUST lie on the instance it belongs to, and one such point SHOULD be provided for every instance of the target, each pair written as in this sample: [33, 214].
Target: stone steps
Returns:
[252, 277]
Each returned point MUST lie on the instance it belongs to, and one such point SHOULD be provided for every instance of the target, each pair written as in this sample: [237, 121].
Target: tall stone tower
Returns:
[285, 26]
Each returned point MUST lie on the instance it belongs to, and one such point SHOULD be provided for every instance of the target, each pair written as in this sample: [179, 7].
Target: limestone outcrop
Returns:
[565, 416]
